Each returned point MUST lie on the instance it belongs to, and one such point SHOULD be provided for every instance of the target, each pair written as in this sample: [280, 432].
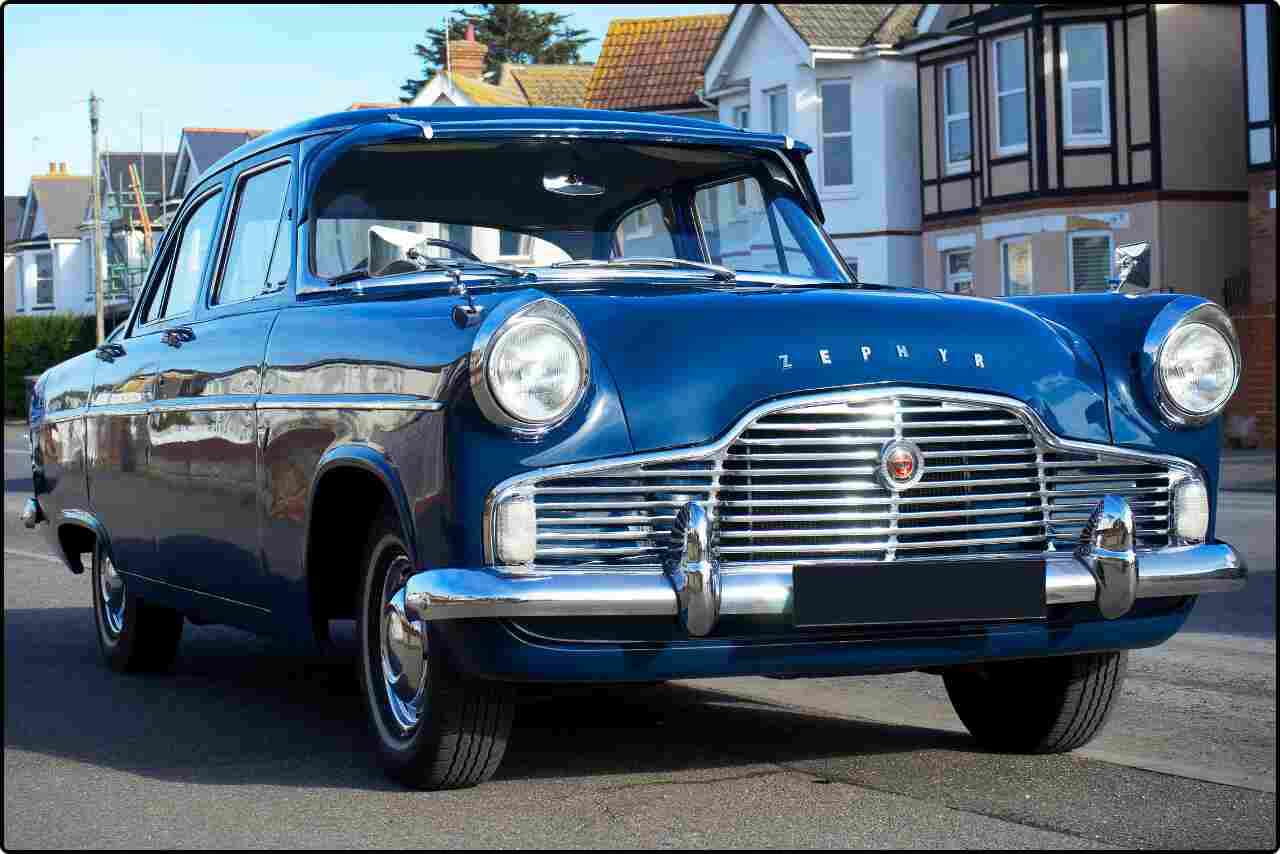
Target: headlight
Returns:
[1195, 361]
[529, 367]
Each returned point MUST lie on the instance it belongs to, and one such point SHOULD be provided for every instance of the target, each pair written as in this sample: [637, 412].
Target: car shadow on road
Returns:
[238, 709]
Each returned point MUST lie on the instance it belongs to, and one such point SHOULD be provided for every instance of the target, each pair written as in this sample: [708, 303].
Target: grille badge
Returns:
[901, 465]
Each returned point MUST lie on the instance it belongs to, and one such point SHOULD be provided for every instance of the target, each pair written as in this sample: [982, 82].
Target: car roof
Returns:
[510, 122]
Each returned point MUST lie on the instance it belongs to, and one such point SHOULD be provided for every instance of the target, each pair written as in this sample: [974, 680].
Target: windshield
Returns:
[387, 209]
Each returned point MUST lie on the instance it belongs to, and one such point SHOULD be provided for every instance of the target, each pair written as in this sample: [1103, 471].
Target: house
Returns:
[1051, 134]
[198, 149]
[831, 76]
[12, 222]
[1251, 416]
[464, 84]
[52, 269]
[655, 65]
[126, 253]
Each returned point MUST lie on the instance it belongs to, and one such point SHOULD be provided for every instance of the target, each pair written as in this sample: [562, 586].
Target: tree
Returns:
[513, 34]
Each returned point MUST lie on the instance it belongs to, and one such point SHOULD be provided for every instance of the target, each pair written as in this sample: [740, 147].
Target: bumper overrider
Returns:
[692, 587]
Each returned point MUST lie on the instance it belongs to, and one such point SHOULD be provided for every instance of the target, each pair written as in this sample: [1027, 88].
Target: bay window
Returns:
[957, 271]
[957, 131]
[44, 278]
[776, 100]
[1085, 91]
[1009, 59]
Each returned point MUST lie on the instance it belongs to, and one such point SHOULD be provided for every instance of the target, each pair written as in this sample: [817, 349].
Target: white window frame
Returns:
[1071, 139]
[1071, 256]
[769, 95]
[53, 295]
[21, 280]
[742, 116]
[951, 280]
[824, 136]
[1020, 89]
[954, 167]
[1004, 272]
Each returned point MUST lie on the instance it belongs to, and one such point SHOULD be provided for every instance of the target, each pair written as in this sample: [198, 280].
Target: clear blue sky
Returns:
[201, 66]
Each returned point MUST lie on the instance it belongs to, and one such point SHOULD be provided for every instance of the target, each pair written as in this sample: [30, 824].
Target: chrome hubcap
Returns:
[403, 644]
[112, 587]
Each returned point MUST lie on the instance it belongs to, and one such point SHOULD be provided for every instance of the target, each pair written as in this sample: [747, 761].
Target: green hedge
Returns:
[33, 343]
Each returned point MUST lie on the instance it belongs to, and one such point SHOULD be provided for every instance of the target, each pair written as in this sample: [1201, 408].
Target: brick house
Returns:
[1251, 417]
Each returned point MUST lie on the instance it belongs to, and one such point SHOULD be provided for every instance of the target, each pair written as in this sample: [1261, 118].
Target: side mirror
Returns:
[1133, 266]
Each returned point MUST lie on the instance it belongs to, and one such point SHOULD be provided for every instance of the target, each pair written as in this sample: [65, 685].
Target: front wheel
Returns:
[433, 728]
[1047, 705]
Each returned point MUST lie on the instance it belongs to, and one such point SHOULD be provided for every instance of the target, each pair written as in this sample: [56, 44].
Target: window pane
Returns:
[188, 266]
[1011, 64]
[778, 112]
[1086, 111]
[643, 234]
[1255, 39]
[44, 278]
[837, 161]
[1090, 263]
[837, 107]
[957, 86]
[509, 243]
[959, 262]
[1086, 49]
[958, 148]
[1259, 145]
[1013, 120]
[742, 117]
[257, 225]
[1017, 268]
[737, 237]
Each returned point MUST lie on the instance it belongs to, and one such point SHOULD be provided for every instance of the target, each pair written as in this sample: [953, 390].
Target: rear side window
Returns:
[643, 233]
[258, 256]
[188, 263]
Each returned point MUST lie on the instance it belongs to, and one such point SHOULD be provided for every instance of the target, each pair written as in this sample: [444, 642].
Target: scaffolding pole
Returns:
[97, 215]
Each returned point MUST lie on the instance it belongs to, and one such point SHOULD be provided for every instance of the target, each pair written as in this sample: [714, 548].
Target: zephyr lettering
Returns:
[866, 352]
[825, 356]
[943, 354]
[902, 352]
[977, 360]
[785, 360]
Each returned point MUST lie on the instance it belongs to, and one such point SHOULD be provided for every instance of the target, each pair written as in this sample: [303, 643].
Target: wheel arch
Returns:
[78, 532]
[350, 486]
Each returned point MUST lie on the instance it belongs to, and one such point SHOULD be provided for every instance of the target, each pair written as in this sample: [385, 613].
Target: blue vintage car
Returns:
[577, 396]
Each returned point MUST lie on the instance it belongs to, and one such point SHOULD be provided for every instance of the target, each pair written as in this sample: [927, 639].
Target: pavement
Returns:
[248, 745]
[1249, 470]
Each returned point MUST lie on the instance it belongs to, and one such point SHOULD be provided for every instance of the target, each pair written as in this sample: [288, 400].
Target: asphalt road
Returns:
[245, 745]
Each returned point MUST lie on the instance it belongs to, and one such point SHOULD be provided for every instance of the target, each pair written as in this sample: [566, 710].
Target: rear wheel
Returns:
[133, 634]
[1048, 705]
[434, 729]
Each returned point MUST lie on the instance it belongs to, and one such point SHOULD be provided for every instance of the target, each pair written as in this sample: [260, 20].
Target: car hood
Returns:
[688, 362]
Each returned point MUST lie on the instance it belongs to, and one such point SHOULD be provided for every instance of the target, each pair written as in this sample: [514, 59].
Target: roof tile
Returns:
[850, 25]
[653, 63]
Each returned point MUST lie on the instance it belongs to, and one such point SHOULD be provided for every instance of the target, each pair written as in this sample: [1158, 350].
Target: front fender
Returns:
[372, 460]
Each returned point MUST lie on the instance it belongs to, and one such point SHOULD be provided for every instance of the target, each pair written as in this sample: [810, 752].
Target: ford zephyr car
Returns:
[577, 396]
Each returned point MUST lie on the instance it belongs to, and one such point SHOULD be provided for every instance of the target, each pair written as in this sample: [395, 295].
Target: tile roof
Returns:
[13, 206]
[64, 200]
[372, 105]
[209, 144]
[653, 63]
[547, 85]
[851, 24]
[482, 94]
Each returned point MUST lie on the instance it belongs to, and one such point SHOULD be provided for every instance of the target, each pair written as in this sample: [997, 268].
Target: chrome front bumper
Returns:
[1104, 570]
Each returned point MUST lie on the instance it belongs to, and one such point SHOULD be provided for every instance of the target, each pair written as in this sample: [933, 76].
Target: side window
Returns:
[736, 226]
[643, 233]
[258, 255]
[188, 260]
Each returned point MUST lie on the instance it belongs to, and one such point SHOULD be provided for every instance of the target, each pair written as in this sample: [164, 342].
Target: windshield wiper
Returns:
[720, 274]
[428, 263]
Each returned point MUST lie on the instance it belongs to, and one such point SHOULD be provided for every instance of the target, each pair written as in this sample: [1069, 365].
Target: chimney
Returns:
[52, 168]
[467, 55]
[62, 167]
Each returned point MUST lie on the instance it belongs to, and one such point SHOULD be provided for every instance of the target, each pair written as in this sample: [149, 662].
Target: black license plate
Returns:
[947, 591]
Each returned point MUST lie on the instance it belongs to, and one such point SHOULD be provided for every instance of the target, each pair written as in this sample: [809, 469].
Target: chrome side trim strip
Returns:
[63, 415]
[509, 592]
[126, 409]
[348, 401]
[204, 404]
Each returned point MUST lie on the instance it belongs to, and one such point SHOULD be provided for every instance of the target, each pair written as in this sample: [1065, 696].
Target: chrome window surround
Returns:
[1044, 440]
[508, 315]
[1185, 309]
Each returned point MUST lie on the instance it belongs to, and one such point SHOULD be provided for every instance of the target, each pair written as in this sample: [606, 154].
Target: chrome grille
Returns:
[800, 484]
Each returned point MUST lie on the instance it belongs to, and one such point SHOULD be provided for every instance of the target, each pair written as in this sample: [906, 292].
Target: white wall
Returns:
[885, 142]
[71, 287]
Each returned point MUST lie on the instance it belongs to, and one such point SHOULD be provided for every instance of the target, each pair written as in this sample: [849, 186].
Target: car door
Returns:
[210, 378]
[133, 482]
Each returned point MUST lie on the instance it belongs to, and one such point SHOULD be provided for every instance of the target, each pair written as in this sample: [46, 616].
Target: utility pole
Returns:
[97, 214]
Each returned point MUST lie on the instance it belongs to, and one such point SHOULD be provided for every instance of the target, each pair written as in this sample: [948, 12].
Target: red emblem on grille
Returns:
[901, 464]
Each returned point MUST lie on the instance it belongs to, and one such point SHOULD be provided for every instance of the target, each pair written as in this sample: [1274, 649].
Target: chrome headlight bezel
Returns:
[506, 317]
[1177, 314]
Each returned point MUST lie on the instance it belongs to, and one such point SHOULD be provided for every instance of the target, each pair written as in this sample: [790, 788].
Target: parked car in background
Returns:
[540, 395]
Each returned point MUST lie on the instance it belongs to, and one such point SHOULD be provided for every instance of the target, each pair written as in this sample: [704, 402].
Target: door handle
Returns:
[109, 352]
[177, 336]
